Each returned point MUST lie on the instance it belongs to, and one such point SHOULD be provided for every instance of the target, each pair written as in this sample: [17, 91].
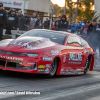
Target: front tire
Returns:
[53, 68]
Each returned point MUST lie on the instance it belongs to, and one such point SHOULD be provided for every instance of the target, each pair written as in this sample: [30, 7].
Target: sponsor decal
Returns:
[41, 66]
[62, 73]
[48, 65]
[30, 63]
[24, 45]
[74, 62]
[40, 71]
[11, 58]
[64, 60]
[82, 70]
[92, 53]
[67, 70]
[80, 73]
[62, 70]
[83, 67]
[35, 42]
[17, 4]
[47, 70]
[87, 51]
[5, 2]
[71, 73]
[78, 70]
[75, 56]
[71, 70]
[55, 52]
[47, 59]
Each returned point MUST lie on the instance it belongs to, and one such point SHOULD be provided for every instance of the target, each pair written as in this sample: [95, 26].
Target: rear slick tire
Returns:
[87, 65]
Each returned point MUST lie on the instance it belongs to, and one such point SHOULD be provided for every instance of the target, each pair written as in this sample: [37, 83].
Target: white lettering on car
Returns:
[11, 58]
[75, 56]
[55, 52]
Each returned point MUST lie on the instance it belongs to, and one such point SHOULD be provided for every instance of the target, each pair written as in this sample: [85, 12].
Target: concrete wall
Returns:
[40, 5]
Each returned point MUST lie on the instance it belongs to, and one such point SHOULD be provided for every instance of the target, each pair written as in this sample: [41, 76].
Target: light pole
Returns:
[76, 10]
[51, 15]
[51, 19]
[65, 8]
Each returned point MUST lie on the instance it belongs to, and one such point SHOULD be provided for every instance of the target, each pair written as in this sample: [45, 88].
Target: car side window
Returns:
[74, 41]
[83, 42]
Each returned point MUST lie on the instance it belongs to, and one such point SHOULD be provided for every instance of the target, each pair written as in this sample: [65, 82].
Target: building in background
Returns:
[42, 7]
[97, 7]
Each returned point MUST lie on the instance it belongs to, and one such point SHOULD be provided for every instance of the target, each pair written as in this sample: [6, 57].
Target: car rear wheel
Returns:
[53, 68]
[87, 64]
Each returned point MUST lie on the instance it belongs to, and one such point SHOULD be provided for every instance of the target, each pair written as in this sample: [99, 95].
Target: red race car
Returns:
[47, 52]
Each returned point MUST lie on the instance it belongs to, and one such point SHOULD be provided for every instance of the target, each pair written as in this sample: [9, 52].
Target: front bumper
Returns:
[23, 64]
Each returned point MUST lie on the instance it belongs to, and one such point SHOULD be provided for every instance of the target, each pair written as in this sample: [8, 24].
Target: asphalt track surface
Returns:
[86, 87]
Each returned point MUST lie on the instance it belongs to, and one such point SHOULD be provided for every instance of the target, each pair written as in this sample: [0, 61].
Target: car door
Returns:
[75, 52]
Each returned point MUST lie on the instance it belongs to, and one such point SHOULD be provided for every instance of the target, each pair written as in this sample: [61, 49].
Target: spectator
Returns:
[78, 25]
[47, 24]
[56, 22]
[85, 28]
[40, 23]
[81, 24]
[13, 22]
[27, 22]
[63, 24]
[90, 32]
[96, 36]
[53, 24]
[9, 13]
[34, 24]
[73, 27]
[21, 20]
[91, 27]
[3, 19]
[17, 13]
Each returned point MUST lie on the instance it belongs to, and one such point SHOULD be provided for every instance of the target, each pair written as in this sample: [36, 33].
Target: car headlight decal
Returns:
[29, 54]
[32, 55]
[19, 54]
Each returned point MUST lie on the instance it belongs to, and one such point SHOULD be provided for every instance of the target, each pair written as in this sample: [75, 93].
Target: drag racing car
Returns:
[47, 52]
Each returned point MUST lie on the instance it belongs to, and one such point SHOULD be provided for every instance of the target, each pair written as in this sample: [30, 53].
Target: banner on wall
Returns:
[13, 3]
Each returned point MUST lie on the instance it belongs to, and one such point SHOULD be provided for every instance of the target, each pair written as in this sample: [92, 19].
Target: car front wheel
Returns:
[53, 68]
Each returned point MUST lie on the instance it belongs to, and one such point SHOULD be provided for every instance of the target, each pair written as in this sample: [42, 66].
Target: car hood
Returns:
[25, 44]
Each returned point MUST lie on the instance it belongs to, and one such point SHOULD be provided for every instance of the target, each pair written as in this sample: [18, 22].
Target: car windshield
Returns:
[53, 36]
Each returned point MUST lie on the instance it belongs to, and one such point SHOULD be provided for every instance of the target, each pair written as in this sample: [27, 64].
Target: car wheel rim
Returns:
[53, 68]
